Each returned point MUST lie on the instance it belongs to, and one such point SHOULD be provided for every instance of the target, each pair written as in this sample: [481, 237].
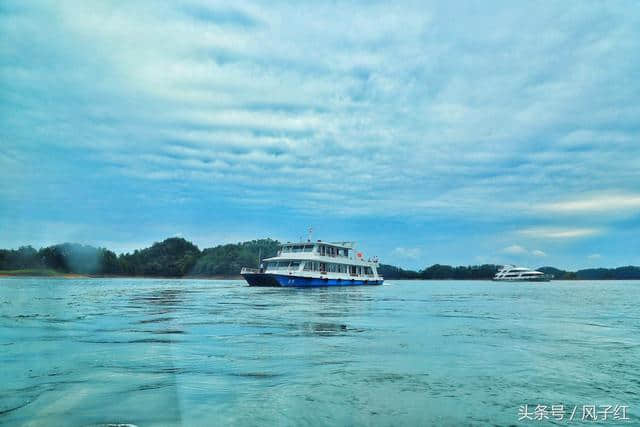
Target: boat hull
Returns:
[283, 280]
[542, 279]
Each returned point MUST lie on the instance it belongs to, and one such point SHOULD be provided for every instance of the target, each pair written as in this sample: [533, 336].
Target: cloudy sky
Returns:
[449, 132]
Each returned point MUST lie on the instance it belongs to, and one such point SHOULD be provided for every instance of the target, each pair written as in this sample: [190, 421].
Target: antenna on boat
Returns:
[259, 257]
[310, 233]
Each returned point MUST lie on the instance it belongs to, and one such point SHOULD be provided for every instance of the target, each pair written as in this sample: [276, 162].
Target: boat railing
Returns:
[249, 270]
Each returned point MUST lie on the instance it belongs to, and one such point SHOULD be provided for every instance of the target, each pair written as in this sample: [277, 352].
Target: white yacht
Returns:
[315, 264]
[511, 273]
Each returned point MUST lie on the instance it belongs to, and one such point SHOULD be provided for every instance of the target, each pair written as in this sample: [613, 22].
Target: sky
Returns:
[429, 132]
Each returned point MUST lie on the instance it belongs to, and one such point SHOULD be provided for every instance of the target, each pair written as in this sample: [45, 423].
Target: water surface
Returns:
[197, 352]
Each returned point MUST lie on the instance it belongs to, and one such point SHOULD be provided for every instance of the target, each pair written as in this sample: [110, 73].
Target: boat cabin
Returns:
[324, 258]
[320, 248]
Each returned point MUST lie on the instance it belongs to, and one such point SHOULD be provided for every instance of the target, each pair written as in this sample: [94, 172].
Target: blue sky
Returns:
[429, 132]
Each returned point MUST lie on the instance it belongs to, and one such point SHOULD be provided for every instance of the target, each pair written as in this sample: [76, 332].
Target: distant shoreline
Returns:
[40, 273]
[177, 257]
[55, 274]
[52, 273]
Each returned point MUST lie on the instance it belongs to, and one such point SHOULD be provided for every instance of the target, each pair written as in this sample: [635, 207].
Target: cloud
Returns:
[594, 256]
[521, 250]
[596, 204]
[559, 233]
[237, 88]
[411, 253]
[515, 250]
[337, 111]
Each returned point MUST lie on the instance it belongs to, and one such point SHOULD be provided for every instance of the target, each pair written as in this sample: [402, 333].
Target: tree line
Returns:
[177, 257]
[487, 271]
[438, 271]
[173, 257]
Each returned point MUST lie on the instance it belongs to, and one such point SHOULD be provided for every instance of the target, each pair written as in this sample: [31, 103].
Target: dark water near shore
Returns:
[196, 352]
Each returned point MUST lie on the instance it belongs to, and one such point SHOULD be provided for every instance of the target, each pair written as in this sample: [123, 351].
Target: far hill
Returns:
[177, 257]
[62, 258]
[392, 272]
[173, 257]
[620, 273]
[229, 259]
[557, 273]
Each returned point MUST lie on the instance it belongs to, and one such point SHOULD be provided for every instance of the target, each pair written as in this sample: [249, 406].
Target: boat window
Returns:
[296, 248]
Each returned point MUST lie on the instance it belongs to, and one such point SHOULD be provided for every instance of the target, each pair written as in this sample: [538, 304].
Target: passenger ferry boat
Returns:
[315, 264]
[511, 273]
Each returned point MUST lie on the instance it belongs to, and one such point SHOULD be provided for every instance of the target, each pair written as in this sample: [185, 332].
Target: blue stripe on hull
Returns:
[296, 281]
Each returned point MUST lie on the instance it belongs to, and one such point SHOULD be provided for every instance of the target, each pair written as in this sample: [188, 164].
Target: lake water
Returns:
[197, 352]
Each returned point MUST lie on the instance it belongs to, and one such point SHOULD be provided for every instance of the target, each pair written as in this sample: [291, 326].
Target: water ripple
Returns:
[193, 352]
